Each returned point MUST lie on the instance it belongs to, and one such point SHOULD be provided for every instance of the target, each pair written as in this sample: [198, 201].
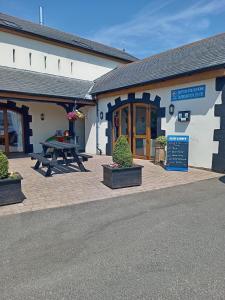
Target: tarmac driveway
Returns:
[165, 244]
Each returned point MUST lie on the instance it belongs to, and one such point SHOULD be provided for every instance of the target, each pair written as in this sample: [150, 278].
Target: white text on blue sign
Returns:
[188, 93]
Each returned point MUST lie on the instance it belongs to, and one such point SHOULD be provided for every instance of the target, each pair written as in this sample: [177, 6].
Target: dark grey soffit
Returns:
[203, 55]
[21, 81]
[25, 26]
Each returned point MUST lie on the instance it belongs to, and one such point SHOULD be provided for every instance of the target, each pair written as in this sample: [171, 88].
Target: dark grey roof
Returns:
[66, 38]
[21, 81]
[202, 55]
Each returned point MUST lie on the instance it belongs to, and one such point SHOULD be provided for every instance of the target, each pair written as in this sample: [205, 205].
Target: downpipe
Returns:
[98, 150]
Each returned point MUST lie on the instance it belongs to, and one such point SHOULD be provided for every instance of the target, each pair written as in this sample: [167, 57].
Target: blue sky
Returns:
[142, 27]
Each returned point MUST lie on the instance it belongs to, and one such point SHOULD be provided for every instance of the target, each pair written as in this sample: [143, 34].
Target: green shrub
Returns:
[122, 154]
[162, 140]
[4, 166]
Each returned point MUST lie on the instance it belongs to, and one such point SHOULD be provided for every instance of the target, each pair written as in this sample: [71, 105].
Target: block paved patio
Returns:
[75, 187]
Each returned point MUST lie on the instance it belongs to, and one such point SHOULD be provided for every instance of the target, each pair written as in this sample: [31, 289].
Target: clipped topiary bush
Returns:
[122, 154]
[4, 166]
[162, 140]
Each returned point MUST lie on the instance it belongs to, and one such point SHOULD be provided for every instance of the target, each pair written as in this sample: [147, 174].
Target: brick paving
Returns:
[75, 187]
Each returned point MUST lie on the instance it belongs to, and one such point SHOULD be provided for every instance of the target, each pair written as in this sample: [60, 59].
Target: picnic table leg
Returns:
[37, 165]
[49, 171]
[55, 154]
[65, 158]
[44, 150]
[78, 161]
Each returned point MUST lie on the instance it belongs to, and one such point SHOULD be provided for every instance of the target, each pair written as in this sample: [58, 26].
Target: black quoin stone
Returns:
[218, 161]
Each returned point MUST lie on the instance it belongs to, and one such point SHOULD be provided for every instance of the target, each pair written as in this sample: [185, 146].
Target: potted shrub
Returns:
[10, 184]
[122, 172]
[160, 152]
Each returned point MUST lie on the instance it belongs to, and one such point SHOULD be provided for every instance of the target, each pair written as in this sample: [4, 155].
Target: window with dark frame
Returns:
[30, 58]
[14, 55]
[45, 61]
[59, 64]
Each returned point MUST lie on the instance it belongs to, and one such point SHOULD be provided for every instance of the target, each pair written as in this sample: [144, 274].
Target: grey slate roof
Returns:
[202, 55]
[17, 24]
[21, 81]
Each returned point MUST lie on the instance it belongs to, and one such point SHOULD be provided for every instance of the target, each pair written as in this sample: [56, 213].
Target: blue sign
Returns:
[188, 93]
[177, 153]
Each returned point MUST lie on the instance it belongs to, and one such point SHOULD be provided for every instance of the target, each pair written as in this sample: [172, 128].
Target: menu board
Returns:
[177, 153]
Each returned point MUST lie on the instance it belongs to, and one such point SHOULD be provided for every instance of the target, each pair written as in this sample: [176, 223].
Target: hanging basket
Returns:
[75, 115]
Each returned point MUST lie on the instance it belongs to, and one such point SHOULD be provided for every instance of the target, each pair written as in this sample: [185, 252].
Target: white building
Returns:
[44, 73]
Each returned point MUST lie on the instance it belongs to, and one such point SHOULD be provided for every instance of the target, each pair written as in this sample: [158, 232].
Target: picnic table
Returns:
[58, 149]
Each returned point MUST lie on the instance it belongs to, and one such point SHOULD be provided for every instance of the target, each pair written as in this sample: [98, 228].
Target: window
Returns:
[71, 67]
[14, 55]
[45, 61]
[59, 64]
[30, 58]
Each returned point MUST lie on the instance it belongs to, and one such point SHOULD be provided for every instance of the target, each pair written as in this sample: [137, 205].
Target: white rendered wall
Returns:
[79, 128]
[85, 66]
[200, 128]
[90, 129]
[55, 119]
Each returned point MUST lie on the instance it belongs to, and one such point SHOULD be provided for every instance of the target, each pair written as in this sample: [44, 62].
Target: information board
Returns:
[177, 153]
[192, 92]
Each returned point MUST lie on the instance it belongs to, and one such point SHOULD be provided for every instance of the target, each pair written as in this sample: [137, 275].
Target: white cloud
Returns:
[161, 26]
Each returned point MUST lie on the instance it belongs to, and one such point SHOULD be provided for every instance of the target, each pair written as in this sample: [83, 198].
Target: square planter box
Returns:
[10, 191]
[116, 178]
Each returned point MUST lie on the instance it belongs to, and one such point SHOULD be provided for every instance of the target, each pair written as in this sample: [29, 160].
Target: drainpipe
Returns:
[97, 129]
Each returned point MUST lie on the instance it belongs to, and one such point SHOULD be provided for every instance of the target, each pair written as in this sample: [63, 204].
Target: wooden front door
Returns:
[134, 121]
[141, 130]
[11, 131]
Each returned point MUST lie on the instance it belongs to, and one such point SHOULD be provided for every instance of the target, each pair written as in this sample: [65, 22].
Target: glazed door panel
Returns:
[122, 123]
[15, 131]
[3, 131]
[11, 131]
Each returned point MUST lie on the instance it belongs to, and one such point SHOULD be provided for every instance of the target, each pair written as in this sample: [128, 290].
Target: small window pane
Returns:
[30, 58]
[124, 121]
[2, 132]
[140, 120]
[141, 147]
[116, 125]
[45, 61]
[15, 132]
[14, 55]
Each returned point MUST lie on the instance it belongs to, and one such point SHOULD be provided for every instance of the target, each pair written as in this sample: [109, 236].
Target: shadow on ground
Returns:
[222, 179]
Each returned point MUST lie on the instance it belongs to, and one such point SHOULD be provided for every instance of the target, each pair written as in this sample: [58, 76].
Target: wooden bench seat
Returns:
[84, 156]
[41, 159]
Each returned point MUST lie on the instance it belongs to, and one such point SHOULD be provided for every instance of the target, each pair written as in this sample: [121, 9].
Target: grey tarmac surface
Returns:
[165, 244]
